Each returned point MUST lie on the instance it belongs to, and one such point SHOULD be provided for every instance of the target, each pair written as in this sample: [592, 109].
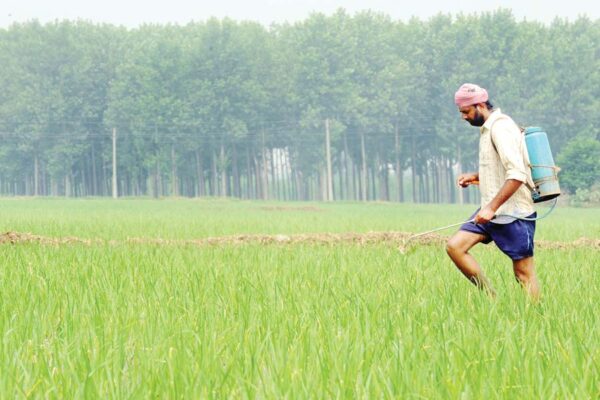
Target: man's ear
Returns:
[482, 108]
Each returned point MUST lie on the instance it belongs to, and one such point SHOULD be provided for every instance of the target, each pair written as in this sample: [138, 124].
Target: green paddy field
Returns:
[125, 309]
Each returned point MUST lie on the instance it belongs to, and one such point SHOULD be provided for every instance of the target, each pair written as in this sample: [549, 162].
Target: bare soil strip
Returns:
[361, 239]
[281, 208]
[18, 237]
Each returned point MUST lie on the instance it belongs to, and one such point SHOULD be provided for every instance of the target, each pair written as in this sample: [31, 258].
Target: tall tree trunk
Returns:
[341, 191]
[36, 174]
[350, 185]
[83, 186]
[450, 181]
[27, 183]
[434, 175]
[174, 183]
[323, 183]
[249, 185]
[284, 173]
[43, 180]
[67, 185]
[421, 179]
[329, 170]
[200, 174]
[141, 178]
[440, 180]
[274, 174]
[378, 168]
[363, 155]
[290, 177]
[427, 186]
[357, 179]
[445, 193]
[104, 177]
[265, 173]
[290, 174]
[214, 175]
[94, 174]
[223, 171]
[126, 185]
[373, 184]
[279, 173]
[294, 172]
[236, 173]
[157, 179]
[386, 181]
[398, 168]
[300, 190]
[260, 191]
[115, 189]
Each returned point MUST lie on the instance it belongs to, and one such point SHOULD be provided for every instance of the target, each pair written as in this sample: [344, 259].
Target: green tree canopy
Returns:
[580, 164]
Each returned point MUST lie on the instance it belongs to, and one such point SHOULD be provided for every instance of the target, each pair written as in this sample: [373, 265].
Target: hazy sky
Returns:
[134, 12]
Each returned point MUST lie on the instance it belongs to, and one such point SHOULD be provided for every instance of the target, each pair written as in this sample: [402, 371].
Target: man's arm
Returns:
[509, 142]
[465, 180]
[508, 189]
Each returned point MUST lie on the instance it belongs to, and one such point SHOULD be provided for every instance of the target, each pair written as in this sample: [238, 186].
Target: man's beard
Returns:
[477, 120]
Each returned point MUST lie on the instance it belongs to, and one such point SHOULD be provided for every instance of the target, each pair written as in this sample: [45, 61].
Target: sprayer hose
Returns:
[532, 219]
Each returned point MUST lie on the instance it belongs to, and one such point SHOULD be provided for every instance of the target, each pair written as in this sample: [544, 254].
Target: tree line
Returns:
[339, 107]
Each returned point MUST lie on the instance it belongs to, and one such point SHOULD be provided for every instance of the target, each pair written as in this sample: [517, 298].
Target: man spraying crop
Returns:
[503, 177]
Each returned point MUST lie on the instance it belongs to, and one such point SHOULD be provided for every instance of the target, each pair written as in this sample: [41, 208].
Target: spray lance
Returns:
[544, 174]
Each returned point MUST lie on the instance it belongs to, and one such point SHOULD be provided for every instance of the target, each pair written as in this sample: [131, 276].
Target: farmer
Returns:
[503, 178]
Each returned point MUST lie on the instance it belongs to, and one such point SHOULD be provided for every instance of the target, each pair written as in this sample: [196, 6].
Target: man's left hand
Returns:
[484, 215]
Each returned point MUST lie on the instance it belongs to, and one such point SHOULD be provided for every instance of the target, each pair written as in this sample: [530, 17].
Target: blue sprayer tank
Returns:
[543, 170]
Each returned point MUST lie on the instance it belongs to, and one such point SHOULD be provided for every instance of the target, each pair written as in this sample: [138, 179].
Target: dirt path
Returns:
[361, 239]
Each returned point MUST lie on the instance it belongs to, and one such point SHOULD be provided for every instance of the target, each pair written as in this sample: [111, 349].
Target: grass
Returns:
[302, 321]
[188, 219]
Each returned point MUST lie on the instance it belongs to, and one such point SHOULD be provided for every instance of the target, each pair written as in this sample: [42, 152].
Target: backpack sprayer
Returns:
[543, 170]
[544, 174]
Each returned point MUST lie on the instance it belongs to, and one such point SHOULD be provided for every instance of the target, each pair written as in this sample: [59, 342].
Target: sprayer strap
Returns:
[528, 184]
[553, 167]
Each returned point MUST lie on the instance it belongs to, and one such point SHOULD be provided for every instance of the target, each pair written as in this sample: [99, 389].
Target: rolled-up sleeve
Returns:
[508, 140]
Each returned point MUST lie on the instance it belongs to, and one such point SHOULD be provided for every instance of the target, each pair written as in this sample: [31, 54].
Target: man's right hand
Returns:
[464, 180]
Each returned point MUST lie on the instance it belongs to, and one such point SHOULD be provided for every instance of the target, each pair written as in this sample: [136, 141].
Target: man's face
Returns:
[472, 115]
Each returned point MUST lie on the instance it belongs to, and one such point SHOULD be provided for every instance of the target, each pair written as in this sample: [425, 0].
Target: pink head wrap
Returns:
[469, 94]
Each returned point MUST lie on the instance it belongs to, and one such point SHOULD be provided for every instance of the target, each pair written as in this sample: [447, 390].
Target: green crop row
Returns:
[188, 219]
[144, 320]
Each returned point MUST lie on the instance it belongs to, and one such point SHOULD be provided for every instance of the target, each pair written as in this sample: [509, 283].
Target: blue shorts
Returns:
[514, 239]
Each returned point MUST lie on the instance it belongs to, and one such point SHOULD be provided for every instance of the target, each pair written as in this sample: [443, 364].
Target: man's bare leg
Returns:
[458, 247]
[525, 273]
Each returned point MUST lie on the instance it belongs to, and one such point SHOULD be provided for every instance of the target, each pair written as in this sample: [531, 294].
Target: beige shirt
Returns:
[504, 158]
